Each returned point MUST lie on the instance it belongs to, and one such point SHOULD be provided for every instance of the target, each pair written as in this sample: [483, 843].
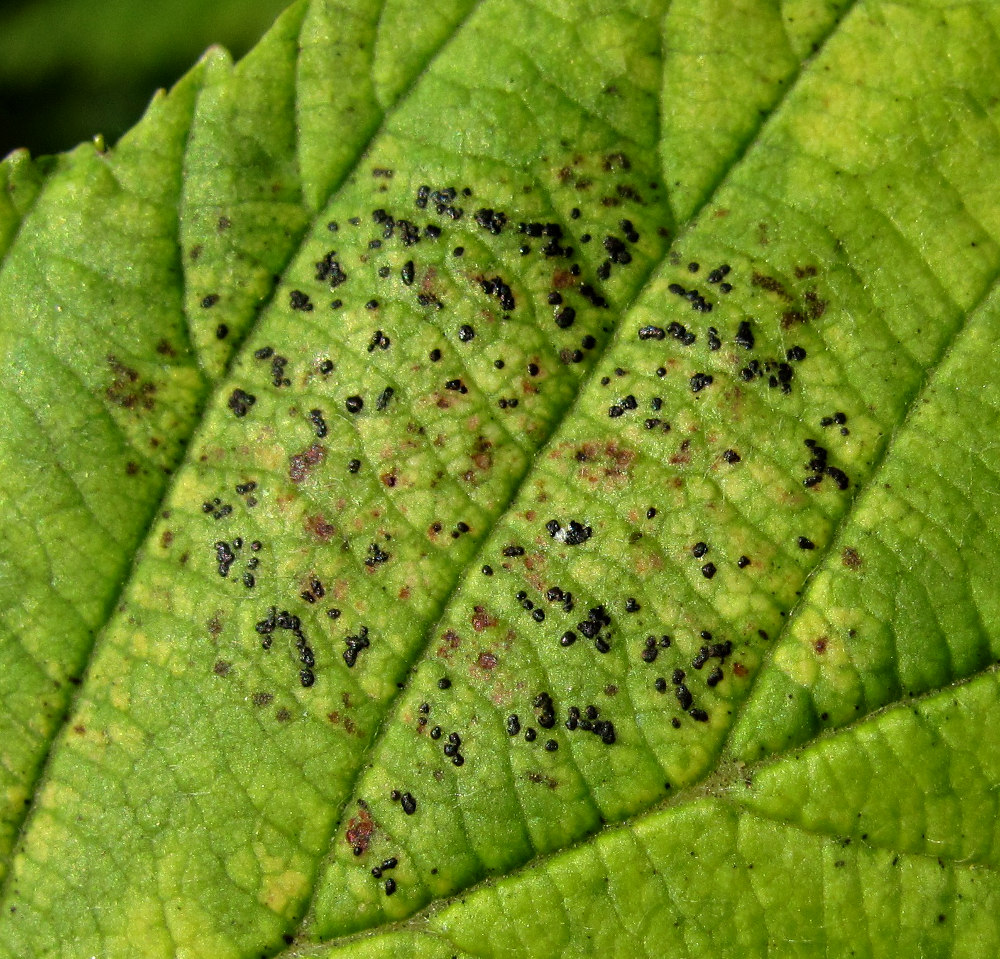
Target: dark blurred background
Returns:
[70, 69]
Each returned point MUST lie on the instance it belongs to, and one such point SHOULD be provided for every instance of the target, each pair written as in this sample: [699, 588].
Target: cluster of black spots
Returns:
[699, 381]
[319, 424]
[721, 651]
[693, 296]
[246, 490]
[225, 557]
[466, 333]
[545, 713]
[240, 402]
[623, 406]
[291, 623]
[682, 334]
[573, 534]
[501, 290]
[314, 592]
[779, 373]
[803, 542]
[355, 644]
[685, 699]
[493, 221]
[632, 605]
[731, 457]
[718, 275]
[699, 549]
[651, 333]
[329, 270]
[387, 865]
[441, 200]
[651, 648]
[354, 404]
[376, 556]
[298, 300]
[552, 233]
[512, 550]
[452, 749]
[837, 419]
[216, 508]
[207, 302]
[456, 386]
[591, 627]
[714, 342]
[818, 467]
[589, 721]
[278, 364]
[405, 800]
[538, 615]
[379, 341]
[383, 398]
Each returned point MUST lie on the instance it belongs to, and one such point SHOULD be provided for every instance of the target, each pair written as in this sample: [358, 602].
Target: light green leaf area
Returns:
[513, 480]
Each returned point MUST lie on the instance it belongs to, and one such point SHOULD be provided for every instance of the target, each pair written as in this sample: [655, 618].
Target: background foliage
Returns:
[73, 68]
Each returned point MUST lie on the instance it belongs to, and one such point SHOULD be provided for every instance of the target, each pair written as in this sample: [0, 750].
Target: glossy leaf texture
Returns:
[512, 480]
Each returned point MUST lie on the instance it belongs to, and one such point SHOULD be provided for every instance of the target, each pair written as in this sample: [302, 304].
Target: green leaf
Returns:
[294, 492]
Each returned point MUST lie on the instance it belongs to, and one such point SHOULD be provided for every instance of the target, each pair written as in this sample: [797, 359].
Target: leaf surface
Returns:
[408, 377]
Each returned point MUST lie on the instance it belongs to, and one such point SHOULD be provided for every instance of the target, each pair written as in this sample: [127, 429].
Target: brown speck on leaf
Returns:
[221, 668]
[850, 558]
[80, 729]
[131, 468]
[769, 283]
[283, 715]
[683, 455]
[451, 642]
[481, 620]
[359, 830]
[166, 538]
[805, 271]
[740, 670]
[165, 349]
[792, 318]
[541, 779]
[320, 528]
[486, 660]
[126, 390]
[214, 625]
[820, 645]
[815, 307]
[301, 463]
[262, 699]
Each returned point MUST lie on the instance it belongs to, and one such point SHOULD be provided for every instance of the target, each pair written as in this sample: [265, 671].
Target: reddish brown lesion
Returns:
[486, 660]
[850, 558]
[319, 527]
[126, 389]
[360, 830]
[300, 464]
[450, 642]
[481, 619]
